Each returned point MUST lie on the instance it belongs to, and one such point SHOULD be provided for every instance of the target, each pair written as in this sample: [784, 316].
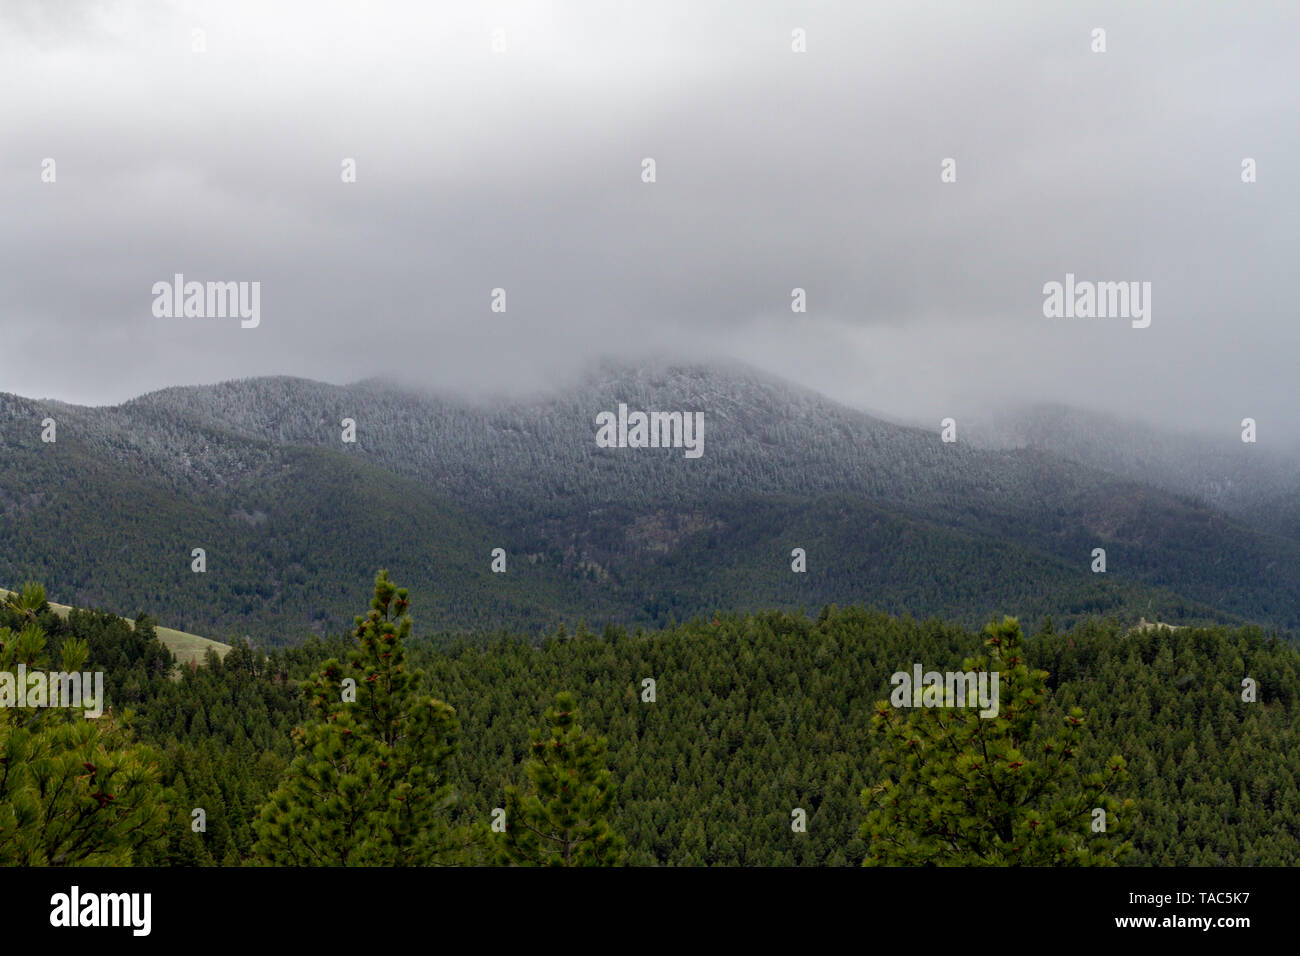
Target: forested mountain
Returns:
[752, 717]
[1258, 480]
[255, 473]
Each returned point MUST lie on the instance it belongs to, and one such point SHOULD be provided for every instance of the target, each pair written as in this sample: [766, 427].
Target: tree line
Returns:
[740, 739]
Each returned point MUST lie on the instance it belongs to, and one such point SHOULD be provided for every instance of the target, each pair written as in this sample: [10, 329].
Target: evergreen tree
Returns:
[968, 790]
[73, 790]
[368, 784]
[29, 602]
[561, 821]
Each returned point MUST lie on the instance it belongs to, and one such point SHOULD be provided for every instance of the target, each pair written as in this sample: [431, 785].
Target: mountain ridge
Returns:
[604, 532]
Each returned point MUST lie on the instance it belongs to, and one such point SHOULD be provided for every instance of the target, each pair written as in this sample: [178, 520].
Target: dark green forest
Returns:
[753, 717]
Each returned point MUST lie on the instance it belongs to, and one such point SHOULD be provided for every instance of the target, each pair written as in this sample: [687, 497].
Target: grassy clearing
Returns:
[187, 647]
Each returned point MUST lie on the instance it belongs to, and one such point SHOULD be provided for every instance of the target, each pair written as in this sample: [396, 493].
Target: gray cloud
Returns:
[775, 170]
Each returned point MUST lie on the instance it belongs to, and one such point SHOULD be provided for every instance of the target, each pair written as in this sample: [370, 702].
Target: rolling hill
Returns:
[188, 648]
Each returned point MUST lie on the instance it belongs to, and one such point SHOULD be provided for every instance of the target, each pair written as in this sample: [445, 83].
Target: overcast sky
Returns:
[522, 170]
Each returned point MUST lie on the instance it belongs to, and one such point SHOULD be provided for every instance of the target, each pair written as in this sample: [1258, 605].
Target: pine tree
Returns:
[73, 790]
[29, 602]
[967, 790]
[368, 785]
[560, 822]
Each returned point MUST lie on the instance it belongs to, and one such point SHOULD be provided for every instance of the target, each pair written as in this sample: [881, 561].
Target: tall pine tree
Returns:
[560, 821]
[368, 786]
[966, 790]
